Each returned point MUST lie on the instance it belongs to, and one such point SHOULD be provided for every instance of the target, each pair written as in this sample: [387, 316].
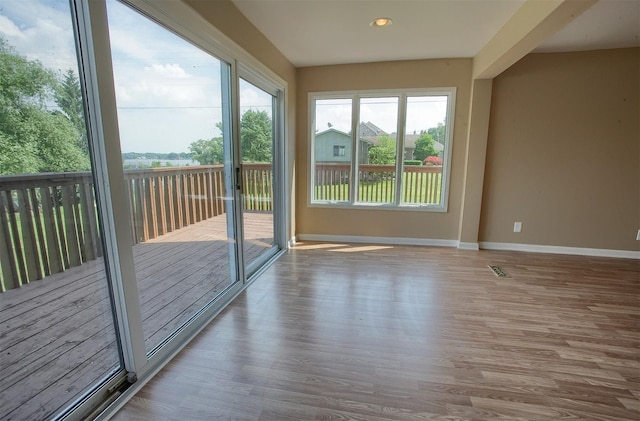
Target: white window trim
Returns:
[402, 94]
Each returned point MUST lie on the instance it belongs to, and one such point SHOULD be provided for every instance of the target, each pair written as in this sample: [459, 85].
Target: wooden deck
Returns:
[57, 336]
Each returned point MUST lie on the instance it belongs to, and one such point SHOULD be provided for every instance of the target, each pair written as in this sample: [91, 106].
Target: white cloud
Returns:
[9, 29]
[163, 108]
[40, 31]
[334, 112]
[126, 46]
[163, 130]
[162, 85]
[167, 90]
[422, 114]
[253, 98]
[425, 112]
[383, 112]
[168, 70]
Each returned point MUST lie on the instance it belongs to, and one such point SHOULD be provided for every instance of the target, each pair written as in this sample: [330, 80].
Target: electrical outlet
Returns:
[517, 226]
[638, 236]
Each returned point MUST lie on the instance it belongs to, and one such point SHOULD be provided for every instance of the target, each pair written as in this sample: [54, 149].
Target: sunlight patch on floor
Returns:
[303, 246]
[362, 248]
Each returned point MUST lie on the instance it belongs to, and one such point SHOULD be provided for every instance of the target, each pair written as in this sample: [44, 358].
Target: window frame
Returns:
[355, 96]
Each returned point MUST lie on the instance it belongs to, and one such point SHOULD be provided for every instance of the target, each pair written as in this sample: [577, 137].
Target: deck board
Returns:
[56, 334]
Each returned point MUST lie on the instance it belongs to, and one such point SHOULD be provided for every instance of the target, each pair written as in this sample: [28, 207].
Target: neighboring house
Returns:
[335, 146]
[409, 144]
[369, 129]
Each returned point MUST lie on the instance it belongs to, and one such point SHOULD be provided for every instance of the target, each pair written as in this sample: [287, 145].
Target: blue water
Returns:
[134, 163]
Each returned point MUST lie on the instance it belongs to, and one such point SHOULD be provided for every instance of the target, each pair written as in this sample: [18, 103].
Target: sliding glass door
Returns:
[184, 159]
[139, 190]
[258, 129]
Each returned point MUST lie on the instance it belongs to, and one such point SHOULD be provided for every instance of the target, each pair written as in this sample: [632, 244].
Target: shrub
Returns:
[433, 160]
[412, 162]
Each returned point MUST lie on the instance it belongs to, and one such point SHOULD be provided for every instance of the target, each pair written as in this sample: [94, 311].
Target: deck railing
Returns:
[48, 222]
[162, 200]
[421, 184]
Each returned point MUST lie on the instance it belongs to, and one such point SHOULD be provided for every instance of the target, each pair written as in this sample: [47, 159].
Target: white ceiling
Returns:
[320, 32]
[606, 24]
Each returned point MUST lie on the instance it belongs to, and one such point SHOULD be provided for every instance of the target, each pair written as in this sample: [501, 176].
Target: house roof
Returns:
[369, 129]
[339, 132]
[332, 130]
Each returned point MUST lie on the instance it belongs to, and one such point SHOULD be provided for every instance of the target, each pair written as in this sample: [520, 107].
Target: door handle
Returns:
[238, 179]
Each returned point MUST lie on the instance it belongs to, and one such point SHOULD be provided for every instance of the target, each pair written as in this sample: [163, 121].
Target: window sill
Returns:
[378, 207]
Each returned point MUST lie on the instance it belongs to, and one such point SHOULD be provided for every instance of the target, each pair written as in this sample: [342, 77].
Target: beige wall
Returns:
[563, 152]
[388, 75]
[227, 18]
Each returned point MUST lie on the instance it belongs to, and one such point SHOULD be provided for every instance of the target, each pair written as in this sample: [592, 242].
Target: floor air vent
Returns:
[499, 272]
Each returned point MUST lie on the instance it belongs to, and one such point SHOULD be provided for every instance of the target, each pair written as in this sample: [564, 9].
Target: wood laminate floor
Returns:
[358, 332]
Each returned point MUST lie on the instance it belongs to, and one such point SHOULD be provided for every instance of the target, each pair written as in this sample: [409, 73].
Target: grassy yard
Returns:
[415, 190]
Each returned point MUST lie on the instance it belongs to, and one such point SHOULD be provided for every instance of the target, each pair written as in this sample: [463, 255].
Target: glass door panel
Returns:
[59, 342]
[257, 129]
[177, 159]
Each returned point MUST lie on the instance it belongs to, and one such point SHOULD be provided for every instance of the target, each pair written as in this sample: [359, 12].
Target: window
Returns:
[391, 149]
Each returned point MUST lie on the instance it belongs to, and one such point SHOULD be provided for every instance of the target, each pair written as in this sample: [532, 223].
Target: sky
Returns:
[423, 112]
[167, 91]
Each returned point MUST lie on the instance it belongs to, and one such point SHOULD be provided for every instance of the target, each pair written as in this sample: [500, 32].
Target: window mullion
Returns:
[402, 107]
[355, 134]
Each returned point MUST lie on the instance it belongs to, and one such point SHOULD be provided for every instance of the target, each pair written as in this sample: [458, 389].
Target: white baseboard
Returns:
[484, 245]
[291, 242]
[400, 241]
[534, 248]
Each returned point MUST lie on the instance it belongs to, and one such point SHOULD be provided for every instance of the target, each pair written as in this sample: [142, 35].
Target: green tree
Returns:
[425, 146]
[438, 133]
[68, 96]
[256, 136]
[33, 139]
[255, 141]
[207, 151]
[384, 153]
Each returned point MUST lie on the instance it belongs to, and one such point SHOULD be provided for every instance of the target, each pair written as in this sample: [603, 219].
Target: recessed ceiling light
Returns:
[380, 22]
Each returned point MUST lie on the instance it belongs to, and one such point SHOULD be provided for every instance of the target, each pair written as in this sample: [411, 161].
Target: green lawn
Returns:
[414, 191]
